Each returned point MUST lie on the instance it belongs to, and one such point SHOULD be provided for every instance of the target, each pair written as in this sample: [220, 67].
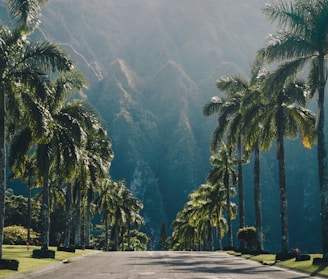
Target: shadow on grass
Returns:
[321, 266]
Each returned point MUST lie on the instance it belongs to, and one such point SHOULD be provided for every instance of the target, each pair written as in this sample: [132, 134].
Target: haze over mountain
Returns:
[152, 65]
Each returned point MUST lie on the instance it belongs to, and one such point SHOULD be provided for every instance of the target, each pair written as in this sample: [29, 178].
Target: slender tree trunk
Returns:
[2, 166]
[241, 191]
[258, 199]
[218, 236]
[87, 224]
[106, 231]
[115, 236]
[29, 209]
[322, 163]
[283, 191]
[122, 239]
[77, 240]
[68, 215]
[129, 237]
[227, 185]
[45, 210]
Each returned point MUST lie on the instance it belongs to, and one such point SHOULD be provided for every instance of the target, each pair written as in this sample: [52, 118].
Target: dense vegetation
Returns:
[256, 112]
[57, 142]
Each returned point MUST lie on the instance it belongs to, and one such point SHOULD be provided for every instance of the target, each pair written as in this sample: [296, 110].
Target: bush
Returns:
[247, 236]
[15, 235]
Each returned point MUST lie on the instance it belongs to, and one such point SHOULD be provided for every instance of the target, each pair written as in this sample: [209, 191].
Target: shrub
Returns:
[16, 235]
[247, 236]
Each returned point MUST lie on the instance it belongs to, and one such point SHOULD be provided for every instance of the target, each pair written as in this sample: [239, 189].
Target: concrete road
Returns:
[162, 265]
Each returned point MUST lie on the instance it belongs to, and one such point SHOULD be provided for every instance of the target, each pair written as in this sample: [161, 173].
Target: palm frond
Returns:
[26, 12]
[286, 46]
[214, 106]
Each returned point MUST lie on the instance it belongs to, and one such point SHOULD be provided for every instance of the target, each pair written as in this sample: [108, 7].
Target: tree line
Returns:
[56, 141]
[257, 112]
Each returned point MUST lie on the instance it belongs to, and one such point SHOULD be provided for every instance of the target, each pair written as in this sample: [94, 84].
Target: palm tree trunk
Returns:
[87, 224]
[227, 185]
[45, 210]
[68, 215]
[77, 239]
[322, 163]
[2, 166]
[29, 209]
[122, 239]
[106, 231]
[218, 236]
[115, 236]
[258, 200]
[283, 191]
[241, 192]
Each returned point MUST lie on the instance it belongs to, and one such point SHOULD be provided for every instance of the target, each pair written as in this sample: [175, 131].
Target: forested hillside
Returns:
[152, 66]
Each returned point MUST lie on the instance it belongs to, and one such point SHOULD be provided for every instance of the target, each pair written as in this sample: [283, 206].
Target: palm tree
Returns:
[252, 131]
[131, 206]
[303, 42]
[185, 234]
[230, 123]
[223, 171]
[23, 65]
[105, 203]
[93, 167]
[282, 115]
[61, 151]
[210, 201]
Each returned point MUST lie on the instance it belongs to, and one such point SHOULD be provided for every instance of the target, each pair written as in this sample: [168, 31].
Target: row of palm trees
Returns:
[120, 211]
[270, 105]
[206, 208]
[56, 140]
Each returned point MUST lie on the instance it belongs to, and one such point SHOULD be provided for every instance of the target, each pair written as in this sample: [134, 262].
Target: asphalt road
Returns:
[162, 265]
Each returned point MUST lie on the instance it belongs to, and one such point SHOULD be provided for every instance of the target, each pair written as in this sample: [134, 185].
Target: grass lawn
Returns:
[27, 263]
[304, 266]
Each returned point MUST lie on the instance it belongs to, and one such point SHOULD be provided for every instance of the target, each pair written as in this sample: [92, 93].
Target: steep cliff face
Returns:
[152, 65]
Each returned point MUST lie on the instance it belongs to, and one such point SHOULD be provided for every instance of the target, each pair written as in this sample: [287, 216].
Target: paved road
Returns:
[163, 265]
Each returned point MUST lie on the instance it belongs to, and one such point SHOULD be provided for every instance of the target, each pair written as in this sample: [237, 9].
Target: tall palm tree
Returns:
[185, 234]
[106, 203]
[131, 206]
[223, 171]
[302, 42]
[230, 124]
[93, 166]
[283, 115]
[23, 65]
[60, 153]
[210, 201]
[252, 131]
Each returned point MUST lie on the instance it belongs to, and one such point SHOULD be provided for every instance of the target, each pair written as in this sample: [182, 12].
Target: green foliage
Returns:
[16, 235]
[17, 212]
[247, 236]
[138, 240]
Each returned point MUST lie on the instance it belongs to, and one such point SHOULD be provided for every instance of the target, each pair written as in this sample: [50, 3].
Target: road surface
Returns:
[162, 265]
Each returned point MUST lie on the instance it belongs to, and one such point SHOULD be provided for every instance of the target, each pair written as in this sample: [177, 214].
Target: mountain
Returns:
[152, 65]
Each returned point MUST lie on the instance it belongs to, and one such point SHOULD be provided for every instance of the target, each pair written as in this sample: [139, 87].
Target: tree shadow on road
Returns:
[211, 263]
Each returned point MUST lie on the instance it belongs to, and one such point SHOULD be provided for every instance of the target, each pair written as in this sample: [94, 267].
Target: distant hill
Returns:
[152, 65]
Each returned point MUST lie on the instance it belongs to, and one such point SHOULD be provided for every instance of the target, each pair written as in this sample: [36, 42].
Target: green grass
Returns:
[27, 263]
[303, 266]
